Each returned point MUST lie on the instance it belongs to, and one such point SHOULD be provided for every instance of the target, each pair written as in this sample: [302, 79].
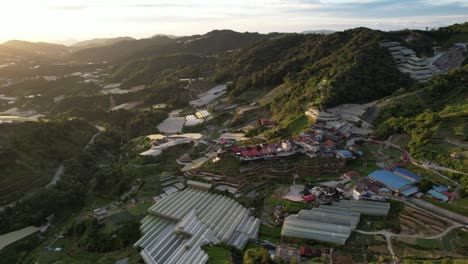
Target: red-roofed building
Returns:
[304, 251]
[266, 122]
[350, 175]
[236, 149]
[329, 144]
[448, 194]
[310, 198]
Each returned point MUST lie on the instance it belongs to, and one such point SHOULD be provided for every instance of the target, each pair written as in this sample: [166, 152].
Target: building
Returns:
[437, 195]
[100, 213]
[331, 223]
[288, 253]
[350, 175]
[401, 182]
[178, 225]
[408, 62]
[199, 185]
[406, 174]
[344, 154]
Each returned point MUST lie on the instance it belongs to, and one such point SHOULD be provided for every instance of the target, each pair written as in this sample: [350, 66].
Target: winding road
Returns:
[388, 235]
[61, 169]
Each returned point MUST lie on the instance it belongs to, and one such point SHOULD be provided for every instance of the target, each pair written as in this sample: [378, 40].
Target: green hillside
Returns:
[31, 152]
[211, 43]
[327, 70]
[435, 115]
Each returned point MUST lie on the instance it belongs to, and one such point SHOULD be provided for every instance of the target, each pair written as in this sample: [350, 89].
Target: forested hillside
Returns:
[321, 70]
[423, 41]
[209, 44]
[431, 114]
[31, 152]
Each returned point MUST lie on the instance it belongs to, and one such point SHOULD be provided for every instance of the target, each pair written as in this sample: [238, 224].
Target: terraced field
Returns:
[414, 221]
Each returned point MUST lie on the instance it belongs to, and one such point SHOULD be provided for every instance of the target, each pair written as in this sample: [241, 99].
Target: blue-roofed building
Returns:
[344, 154]
[406, 174]
[392, 181]
[437, 195]
[440, 188]
[409, 191]
[385, 191]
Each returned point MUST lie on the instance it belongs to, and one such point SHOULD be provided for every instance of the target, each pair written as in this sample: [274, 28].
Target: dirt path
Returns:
[456, 143]
[388, 235]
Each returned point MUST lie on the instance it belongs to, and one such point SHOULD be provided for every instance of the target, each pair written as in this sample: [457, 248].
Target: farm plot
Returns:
[414, 221]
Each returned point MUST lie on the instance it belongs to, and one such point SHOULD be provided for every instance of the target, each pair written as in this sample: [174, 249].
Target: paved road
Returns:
[421, 164]
[100, 130]
[61, 169]
[58, 174]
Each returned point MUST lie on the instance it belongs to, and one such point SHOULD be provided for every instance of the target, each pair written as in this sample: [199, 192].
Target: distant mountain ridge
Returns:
[100, 42]
[319, 31]
[208, 44]
[20, 48]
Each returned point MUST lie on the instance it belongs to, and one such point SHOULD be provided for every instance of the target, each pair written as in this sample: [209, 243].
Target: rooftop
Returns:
[179, 224]
[389, 179]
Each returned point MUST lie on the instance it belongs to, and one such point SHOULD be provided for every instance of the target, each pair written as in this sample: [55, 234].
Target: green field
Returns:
[272, 234]
[292, 207]
[267, 98]
[298, 124]
[140, 208]
[218, 255]
[451, 207]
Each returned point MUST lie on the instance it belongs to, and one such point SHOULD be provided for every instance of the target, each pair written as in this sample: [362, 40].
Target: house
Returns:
[384, 191]
[304, 251]
[315, 253]
[317, 191]
[350, 175]
[329, 144]
[288, 253]
[340, 187]
[344, 154]
[100, 213]
[310, 198]
[225, 142]
[330, 191]
[286, 145]
[359, 190]
[266, 122]
[437, 196]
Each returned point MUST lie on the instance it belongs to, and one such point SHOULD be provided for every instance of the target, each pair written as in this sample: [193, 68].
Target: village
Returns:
[316, 188]
[220, 178]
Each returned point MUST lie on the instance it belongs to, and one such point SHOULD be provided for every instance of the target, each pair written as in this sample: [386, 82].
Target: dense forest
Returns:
[31, 152]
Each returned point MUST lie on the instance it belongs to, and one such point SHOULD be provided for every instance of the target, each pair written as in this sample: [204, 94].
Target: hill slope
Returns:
[208, 44]
[321, 70]
[99, 42]
[31, 152]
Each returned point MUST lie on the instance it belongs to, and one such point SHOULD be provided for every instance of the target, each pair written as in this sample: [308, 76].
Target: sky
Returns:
[67, 21]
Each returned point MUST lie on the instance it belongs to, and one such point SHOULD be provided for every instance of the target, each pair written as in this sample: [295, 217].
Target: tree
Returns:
[257, 256]
[425, 185]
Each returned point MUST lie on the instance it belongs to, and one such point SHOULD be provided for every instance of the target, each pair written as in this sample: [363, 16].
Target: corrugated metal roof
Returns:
[437, 195]
[389, 179]
[365, 207]
[178, 225]
[406, 173]
[410, 191]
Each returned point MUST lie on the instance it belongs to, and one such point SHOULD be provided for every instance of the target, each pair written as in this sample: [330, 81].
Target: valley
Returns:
[347, 147]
